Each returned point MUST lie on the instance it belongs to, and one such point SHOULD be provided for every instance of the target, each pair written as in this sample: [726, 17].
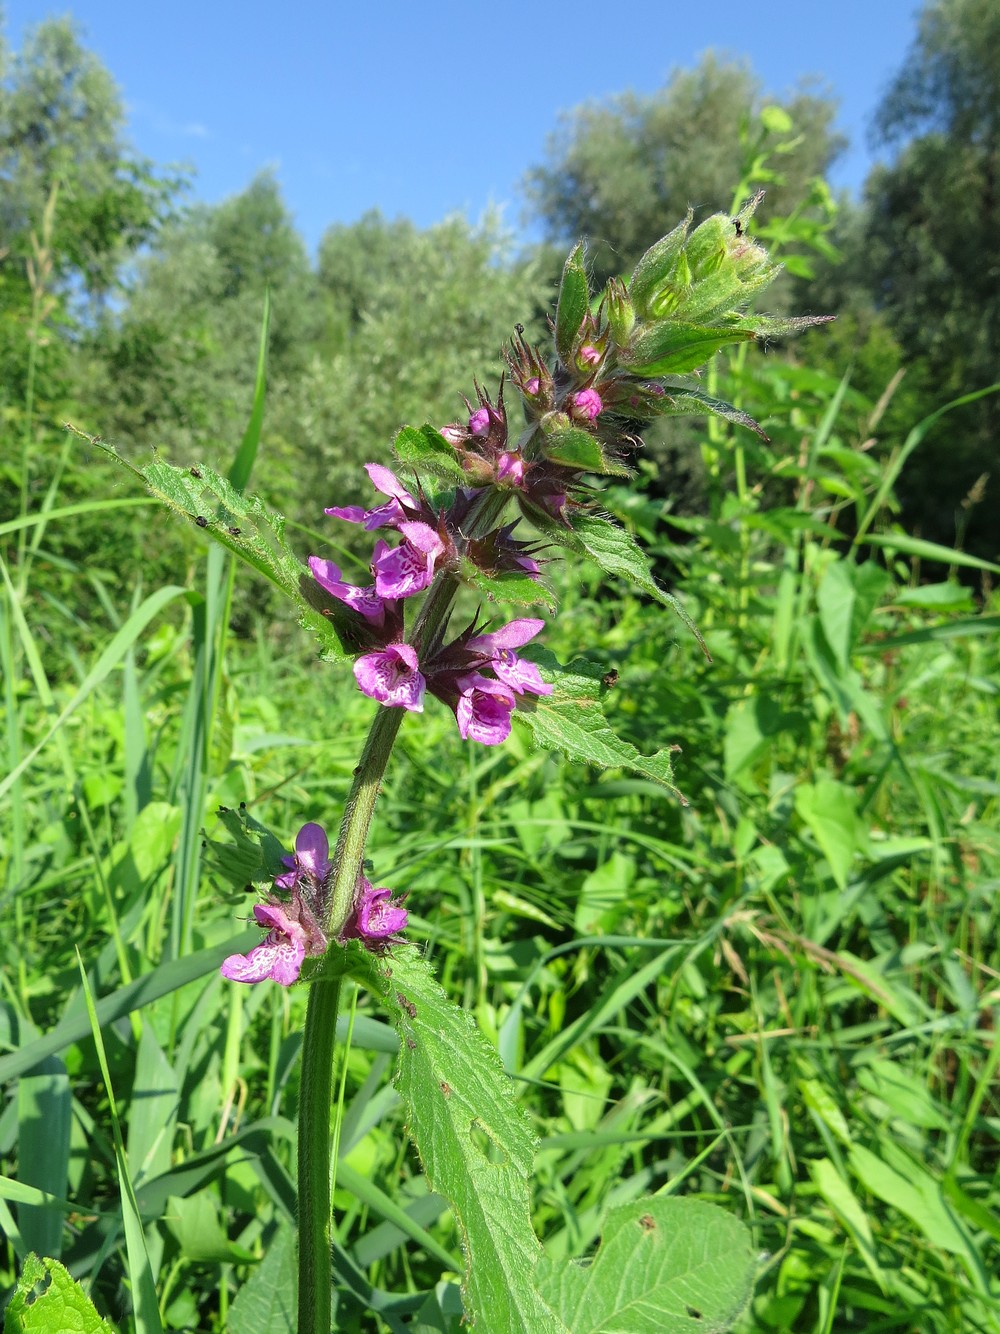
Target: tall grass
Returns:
[781, 996]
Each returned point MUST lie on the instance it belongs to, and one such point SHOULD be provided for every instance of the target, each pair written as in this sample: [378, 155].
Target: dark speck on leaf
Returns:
[408, 1006]
[610, 679]
[648, 1223]
[693, 1312]
[195, 472]
[201, 521]
[233, 532]
[446, 1088]
[411, 1044]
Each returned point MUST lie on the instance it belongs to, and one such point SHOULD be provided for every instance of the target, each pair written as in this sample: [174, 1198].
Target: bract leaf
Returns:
[574, 302]
[425, 450]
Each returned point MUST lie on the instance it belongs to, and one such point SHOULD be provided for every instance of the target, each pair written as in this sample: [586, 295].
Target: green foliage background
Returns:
[780, 997]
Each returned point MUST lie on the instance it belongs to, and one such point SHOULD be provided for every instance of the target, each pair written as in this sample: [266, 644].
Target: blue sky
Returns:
[422, 110]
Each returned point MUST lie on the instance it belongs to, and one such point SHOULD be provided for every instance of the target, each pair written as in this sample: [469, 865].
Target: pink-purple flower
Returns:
[399, 507]
[376, 916]
[479, 422]
[293, 929]
[392, 676]
[408, 568]
[587, 404]
[498, 650]
[278, 956]
[365, 601]
[483, 709]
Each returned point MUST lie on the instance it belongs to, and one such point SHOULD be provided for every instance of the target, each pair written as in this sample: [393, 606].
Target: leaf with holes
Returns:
[47, 1298]
[664, 1266]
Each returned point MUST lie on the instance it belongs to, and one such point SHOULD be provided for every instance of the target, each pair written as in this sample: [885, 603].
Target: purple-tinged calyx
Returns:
[409, 568]
[399, 507]
[376, 917]
[392, 677]
[589, 355]
[500, 553]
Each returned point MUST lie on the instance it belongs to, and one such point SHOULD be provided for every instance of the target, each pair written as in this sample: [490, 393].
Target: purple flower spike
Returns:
[363, 600]
[391, 676]
[400, 505]
[483, 709]
[408, 568]
[278, 956]
[499, 646]
[588, 404]
[311, 859]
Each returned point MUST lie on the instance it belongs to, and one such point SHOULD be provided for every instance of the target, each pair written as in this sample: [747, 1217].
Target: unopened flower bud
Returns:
[620, 311]
[587, 405]
[479, 422]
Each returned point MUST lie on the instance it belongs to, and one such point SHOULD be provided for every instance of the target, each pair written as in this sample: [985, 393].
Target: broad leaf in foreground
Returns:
[665, 1266]
[473, 1139]
[47, 1298]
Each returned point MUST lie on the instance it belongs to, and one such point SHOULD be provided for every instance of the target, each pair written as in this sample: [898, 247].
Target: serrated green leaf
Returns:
[574, 302]
[473, 1139]
[47, 1299]
[617, 553]
[693, 403]
[425, 450]
[674, 348]
[572, 720]
[579, 449]
[665, 1266]
[267, 1301]
[252, 532]
[511, 586]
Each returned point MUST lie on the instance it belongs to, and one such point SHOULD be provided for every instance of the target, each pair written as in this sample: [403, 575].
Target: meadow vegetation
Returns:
[778, 994]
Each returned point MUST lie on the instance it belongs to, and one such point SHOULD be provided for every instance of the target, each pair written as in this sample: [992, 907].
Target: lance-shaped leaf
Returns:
[473, 1139]
[425, 450]
[245, 526]
[674, 348]
[574, 302]
[572, 720]
[616, 552]
[693, 403]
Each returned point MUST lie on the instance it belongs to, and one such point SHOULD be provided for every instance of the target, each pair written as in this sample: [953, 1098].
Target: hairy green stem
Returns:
[316, 1096]
[315, 1100]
